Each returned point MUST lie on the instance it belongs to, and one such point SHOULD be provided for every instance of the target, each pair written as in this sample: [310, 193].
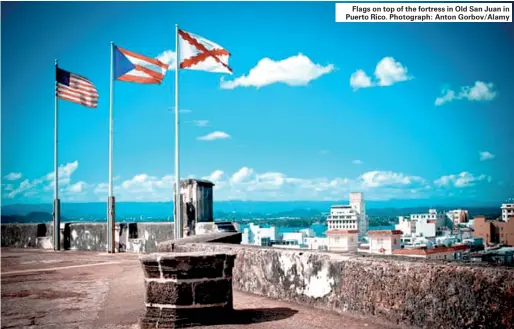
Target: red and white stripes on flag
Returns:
[76, 89]
[198, 53]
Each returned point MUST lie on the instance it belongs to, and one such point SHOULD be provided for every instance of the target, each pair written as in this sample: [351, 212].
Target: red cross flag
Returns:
[197, 53]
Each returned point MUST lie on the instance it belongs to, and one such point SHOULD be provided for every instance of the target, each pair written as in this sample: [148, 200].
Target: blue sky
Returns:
[315, 109]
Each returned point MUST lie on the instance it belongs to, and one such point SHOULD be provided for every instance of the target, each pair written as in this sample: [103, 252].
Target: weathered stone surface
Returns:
[190, 283]
[194, 268]
[143, 237]
[426, 294]
[229, 265]
[185, 266]
[151, 268]
[188, 317]
[174, 293]
[23, 235]
[212, 291]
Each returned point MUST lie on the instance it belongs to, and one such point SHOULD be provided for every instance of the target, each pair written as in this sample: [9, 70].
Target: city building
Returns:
[446, 240]
[441, 253]
[507, 211]
[465, 233]
[430, 224]
[260, 236]
[458, 216]
[349, 217]
[308, 232]
[293, 238]
[357, 203]
[316, 243]
[406, 225]
[494, 231]
[503, 256]
[343, 240]
[384, 241]
[426, 228]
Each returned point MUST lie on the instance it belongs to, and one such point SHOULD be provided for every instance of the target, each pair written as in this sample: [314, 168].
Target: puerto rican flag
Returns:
[132, 67]
[198, 53]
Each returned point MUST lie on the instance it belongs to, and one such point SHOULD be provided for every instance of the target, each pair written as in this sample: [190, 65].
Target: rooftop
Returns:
[385, 232]
[340, 206]
[73, 289]
[341, 231]
[424, 251]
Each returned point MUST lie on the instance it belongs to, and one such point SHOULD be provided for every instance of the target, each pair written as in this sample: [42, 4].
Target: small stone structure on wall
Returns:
[186, 289]
[196, 201]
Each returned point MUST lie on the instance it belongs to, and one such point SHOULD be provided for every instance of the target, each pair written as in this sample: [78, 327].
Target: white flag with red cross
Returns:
[197, 53]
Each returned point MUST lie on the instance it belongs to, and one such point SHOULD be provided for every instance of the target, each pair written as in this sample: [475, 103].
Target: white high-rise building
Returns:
[507, 211]
[349, 217]
[357, 203]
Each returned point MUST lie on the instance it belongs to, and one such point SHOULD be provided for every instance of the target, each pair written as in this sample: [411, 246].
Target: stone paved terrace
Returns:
[47, 289]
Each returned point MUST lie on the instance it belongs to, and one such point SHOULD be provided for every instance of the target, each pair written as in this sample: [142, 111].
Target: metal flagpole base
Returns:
[111, 238]
[57, 224]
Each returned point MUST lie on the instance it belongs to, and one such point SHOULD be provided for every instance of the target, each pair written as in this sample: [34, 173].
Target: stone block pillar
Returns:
[196, 202]
[186, 289]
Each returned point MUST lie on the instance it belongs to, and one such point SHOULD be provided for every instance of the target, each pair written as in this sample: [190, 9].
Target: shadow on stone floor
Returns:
[235, 317]
[258, 315]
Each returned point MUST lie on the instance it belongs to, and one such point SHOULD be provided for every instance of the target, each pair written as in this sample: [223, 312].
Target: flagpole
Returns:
[177, 204]
[56, 205]
[110, 201]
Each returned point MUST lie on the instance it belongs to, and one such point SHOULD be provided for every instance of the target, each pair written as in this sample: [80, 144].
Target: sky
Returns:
[313, 110]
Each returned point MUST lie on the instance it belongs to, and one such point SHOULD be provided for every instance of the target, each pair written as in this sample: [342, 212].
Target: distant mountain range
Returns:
[146, 211]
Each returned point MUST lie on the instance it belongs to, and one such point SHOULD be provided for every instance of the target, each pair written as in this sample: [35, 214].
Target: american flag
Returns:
[77, 89]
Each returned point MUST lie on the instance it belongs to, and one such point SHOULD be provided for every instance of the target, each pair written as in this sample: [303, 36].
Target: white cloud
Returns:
[45, 183]
[213, 136]
[360, 79]
[23, 187]
[387, 72]
[141, 187]
[357, 162]
[486, 156]
[480, 91]
[215, 176]
[77, 187]
[464, 179]
[64, 172]
[448, 96]
[241, 175]
[30, 194]
[7, 187]
[247, 184]
[168, 57]
[296, 70]
[388, 178]
[201, 123]
[13, 176]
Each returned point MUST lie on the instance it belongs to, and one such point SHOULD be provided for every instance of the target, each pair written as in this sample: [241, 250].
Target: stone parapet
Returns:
[411, 292]
[186, 289]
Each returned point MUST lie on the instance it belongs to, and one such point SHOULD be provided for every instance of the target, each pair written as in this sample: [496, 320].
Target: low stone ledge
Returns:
[412, 293]
[185, 289]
